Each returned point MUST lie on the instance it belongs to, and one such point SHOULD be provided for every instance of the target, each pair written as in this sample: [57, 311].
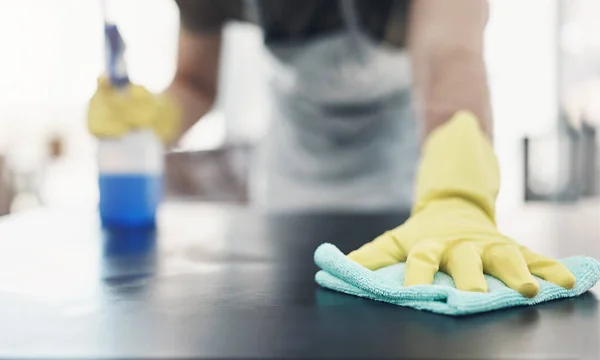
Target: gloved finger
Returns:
[100, 128]
[141, 114]
[101, 120]
[506, 263]
[103, 83]
[548, 269]
[463, 263]
[139, 92]
[381, 252]
[422, 263]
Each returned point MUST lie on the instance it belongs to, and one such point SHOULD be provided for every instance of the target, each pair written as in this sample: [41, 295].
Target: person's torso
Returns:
[297, 21]
[342, 131]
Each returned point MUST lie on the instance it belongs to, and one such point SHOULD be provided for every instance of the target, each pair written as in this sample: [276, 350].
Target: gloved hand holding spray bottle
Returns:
[132, 126]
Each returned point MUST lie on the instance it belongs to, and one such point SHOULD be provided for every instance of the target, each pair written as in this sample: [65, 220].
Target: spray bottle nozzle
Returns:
[115, 56]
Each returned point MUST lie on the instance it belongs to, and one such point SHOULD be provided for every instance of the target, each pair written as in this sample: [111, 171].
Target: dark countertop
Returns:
[220, 281]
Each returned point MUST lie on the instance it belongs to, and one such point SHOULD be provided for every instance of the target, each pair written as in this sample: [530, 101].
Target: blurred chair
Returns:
[575, 168]
[219, 175]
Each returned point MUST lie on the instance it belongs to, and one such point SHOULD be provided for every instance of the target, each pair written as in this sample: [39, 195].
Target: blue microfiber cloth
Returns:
[342, 274]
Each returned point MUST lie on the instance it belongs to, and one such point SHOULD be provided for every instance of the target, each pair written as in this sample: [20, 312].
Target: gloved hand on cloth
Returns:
[114, 112]
[452, 226]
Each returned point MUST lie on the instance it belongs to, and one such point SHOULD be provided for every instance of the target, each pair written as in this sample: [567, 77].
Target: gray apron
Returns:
[342, 132]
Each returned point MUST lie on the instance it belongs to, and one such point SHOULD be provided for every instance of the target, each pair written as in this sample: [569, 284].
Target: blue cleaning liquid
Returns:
[129, 200]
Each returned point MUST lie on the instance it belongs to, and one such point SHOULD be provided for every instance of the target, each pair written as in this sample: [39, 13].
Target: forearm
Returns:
[193, 103]
[456, 80]
[194, 86]
[448, 61]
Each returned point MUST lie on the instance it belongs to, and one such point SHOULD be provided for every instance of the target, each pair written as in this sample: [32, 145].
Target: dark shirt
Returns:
[284, 21]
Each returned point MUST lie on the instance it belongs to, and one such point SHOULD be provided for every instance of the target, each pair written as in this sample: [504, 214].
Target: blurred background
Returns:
[544, 65]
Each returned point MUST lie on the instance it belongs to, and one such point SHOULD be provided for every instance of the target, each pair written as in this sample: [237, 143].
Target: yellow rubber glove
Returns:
[452, 226]
[114, 112]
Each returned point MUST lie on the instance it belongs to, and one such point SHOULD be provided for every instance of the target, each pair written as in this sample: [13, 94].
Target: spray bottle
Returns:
[130, 167]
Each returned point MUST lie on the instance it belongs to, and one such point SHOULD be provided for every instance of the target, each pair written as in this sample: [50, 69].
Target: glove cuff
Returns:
[458, 160]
